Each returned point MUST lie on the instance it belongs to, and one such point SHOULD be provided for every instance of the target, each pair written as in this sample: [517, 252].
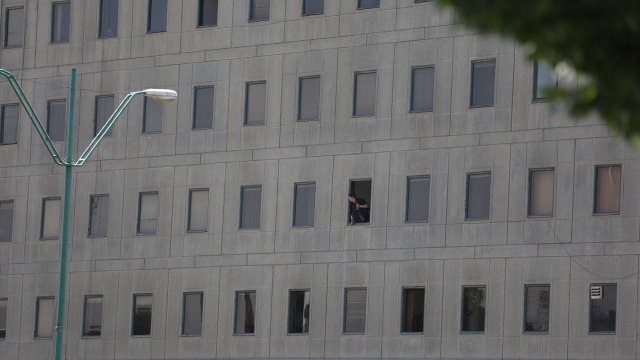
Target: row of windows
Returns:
[473, 319]
[478, 203]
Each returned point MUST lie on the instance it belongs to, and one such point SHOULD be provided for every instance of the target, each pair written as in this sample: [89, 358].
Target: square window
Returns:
[250, 207]
[92, 325]
[412, 310]
[602, 311]
[473, 308]
[50, 229]
[359, 201]
[208, 13]
[44, 317]
[6, 221]
[13, 27]
[483, 83]
[304, 205]
[141, 320]
[422, 88]
[157, 17]
[418, 188]
[98, 215]
[312, 7]
[153, 116]
[60, 22]
[478, 196]
[355, 311]
[299, 311]
[56, 115]
[198, 210]
[364, 94]
[3, 318]
[245, 313]
[256, 103]
[259, 10]
[368, 4]
[607, 191]
[203, 108]
[541, 192]
[9, 124]
[108, 19]
[309, 98]
[148, 213]
[192, 314]
[536, 308]
[104, 109]
[543, 78]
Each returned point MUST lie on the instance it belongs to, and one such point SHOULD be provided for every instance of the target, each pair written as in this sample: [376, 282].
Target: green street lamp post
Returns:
[163, 96]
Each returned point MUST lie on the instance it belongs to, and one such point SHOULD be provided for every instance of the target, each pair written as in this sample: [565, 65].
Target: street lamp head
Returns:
[163, 96]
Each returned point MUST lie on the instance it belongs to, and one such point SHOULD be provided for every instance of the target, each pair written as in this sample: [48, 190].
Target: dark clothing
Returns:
[360, 215]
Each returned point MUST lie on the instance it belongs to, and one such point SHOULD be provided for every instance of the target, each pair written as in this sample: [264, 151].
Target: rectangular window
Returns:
[203, 108]
[3, 318]
[304, 205]
[478, 196]
[208, 13]
[61, 22]
[6, 221]
[359, 201]
[602, 309]
[98, 215]
[44, 317]
[256, 103]
[50, 229]
[412, 310]
[250, 207]
[418, 188]
[536, 308]
[141, 321]
[245, 313]
[13, 27]
[259, 10]
[157, 17]
[422, 88]
[309, 99]
[56, 115]
[108, 19]
[192, 314]
[299, 311]
[608, 186]
[483, 83]
[368, 4]
[312, 7]
[473, 308]
[92, 325]
[543, 78]
[104, 109]
[355, 311]
[148, 213]
[198, 210]
[153, 115]
[9, 124]
[541, 192]
[364, 94]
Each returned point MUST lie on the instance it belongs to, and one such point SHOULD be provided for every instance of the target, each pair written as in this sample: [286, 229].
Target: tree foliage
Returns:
[599, 39]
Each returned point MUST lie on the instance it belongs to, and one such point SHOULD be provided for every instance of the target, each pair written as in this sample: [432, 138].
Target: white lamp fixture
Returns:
[163, 96]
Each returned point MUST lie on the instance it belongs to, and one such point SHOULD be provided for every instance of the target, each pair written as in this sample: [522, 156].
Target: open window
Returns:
[359, 201]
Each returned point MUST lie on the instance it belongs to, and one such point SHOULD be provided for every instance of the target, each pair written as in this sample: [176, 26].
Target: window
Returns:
[309, 99]
[98, 215]
[56, 114]
[153, 115]
[50, 229]
[141, 322]
[418, 198]
[478, 196]
[198, 210]
[245, 313]
[192, 314]
[3, 318]
[13, 27]
[6, 221]
[9, 124]
[421, 1]
[541, 192]
[412, 310]
[473, 308]
[61, 22]
[256, 103]
[148, 213]
[312, 7]
[250, 207]
[355, 311]
[108, 19]
[359, 201]
[299, 311]
[203, 108]
[157, 20]
[259, 10]
[92, 325]
[368, 4]
[608, 185]
[602, 309]
[44, 317]
[208, 13]
[543, 78]
[304, 205]
[364, 94]
[536, 308]
[483, 83]
[104, 109]
[422, 88]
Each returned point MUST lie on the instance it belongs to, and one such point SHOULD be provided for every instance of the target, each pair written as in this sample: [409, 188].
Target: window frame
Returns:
[295, 204]
[467, 202]
[63, 120]
[345, 309]
[141, 194]
[403, 309]
[96, 111]
[11, 201]
[3, 121]
[236, 309]
[252, 17]
[247, 103]
[407, 200]
[37, 318]
[6, 27]
[359, 6]
[112, 33]
[291, 313]
[190, 210]
[463, 303]
[55, 25]
[43, 215]
[530, 194]
[526, 305]
[184, 310]
[148, 100]
[354, 113]
[241, 222]
[200, 20]
[303, 13]
[615, 325]
[473, 82]
[412, 109]
[596, 189]
[195, 107]
[91, 233]
[3, 326]
[85, 334]
[133, 316]
[535, 98]
[299, 107]
[149, 13]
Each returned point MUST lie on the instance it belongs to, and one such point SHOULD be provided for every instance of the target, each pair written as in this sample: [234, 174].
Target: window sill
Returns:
[298, 334]
[312, 14]
[420, 111]
[96, 236]
[3, 144]
[89, 337]
[354, 333]
[418, 333]
[40, 338]
[190, 336]
[252, 334]
[151, 133]
[146, 234]
[606, 214]
[538, 333]
[472, 333]
[306, 120]
[206, 27]
[197, 231]
[59, 43]
[602, 333]
[49, 238]
[539, 217]
[354, 116]
[416, 222]
[201, 129]
[141, 336]
[253, 21]
[253, 124]
[13, 47]
[476, 107]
